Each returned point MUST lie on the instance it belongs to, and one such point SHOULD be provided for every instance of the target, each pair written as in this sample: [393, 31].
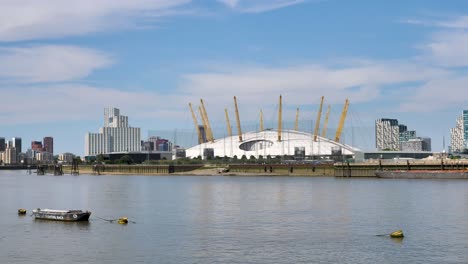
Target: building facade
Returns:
[2, 144]
[66, 157]
[416, 145]
[49, 145]
[115, 136]
[387, 135]
[459, 134]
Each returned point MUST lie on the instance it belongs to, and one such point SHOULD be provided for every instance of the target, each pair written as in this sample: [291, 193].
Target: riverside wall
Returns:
[366, 169]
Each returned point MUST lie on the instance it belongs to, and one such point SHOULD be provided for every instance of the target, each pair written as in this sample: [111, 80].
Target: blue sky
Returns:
[62, 62]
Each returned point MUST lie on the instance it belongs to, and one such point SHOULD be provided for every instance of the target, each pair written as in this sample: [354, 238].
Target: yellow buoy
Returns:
[21, 211]
[397, 234]
[123, 220]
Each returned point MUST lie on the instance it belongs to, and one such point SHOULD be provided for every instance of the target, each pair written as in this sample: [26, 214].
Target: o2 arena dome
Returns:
[268, 142]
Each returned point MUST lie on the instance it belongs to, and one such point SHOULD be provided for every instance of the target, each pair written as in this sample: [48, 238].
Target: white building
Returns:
[266, 143]
[10, 156]
[457, 141]
[387, 134]
[66, 157]
[115, 136]
[44, 157]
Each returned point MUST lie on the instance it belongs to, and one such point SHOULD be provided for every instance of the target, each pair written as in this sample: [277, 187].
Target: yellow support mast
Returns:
[239, 130]
[228, 123]
[261, 120]
[205, 126]
[296, 124]
[339, 130]
[324, 129]
[200, 138]
[280, 120]
[317, 124]
[209, 132]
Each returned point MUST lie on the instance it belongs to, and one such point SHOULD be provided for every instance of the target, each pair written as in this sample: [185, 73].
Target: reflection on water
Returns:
[234, 220]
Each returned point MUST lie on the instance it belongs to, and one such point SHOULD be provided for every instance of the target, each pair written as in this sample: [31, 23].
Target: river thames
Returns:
[203, 219]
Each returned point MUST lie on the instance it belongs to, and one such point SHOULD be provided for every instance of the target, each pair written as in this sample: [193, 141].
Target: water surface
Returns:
[234, 219]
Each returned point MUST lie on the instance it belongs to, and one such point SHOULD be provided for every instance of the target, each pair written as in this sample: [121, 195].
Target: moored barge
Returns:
[61, 215]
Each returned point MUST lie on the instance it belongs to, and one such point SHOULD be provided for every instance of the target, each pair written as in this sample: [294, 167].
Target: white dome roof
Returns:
[266, 143]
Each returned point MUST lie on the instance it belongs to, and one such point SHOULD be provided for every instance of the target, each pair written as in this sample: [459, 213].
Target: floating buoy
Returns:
[123, 220]
[21, 211]
[397, 234]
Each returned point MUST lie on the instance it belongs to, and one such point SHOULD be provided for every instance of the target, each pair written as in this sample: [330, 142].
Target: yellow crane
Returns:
[200, 138]
[317, 124]
[280, 118]
[325, 124]
[228, 123]
[339, 130]
[296, 124]
[239, 130]
[209, 131]
[261, 120]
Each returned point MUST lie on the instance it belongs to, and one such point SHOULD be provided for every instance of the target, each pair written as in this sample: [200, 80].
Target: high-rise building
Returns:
[17, 144]
[387, 134]
[459, 134]
[10, 156]
[36, 146]
[2, 144]
[49, 145]
[115, 136]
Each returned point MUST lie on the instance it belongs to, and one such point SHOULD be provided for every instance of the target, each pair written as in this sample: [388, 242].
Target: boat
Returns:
[422, 174]
[61, 215]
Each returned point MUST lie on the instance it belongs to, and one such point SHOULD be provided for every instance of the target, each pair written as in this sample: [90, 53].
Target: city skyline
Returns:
[151, 58]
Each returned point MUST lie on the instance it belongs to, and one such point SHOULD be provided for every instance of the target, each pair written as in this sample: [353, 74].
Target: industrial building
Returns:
[269, 142]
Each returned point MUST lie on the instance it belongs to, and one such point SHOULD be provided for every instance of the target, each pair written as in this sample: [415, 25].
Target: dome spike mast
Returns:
[325, 124]
[209, 132]
[228, 123]
[339, 130]
[280, 118]
[200, 138]
[296, 124]
[206, 136]
[261, 120]
[317, 124]
[239, 130]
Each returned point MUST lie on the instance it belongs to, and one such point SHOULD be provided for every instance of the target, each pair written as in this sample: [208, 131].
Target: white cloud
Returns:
[437, 94]
[460, 22]
[49, 63]
[31, 19]
[57, 103]
[258, 6]
[304, 84]
[448, 49]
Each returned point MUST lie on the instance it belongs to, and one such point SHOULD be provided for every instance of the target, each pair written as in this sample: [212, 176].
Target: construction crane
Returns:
[261, 120]
[209, 132]
[239, 130]
[317, 124]
[228, 123]
[325, 124]
[339, 130]
[280, 118]
[200, 138]
[296, 125]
